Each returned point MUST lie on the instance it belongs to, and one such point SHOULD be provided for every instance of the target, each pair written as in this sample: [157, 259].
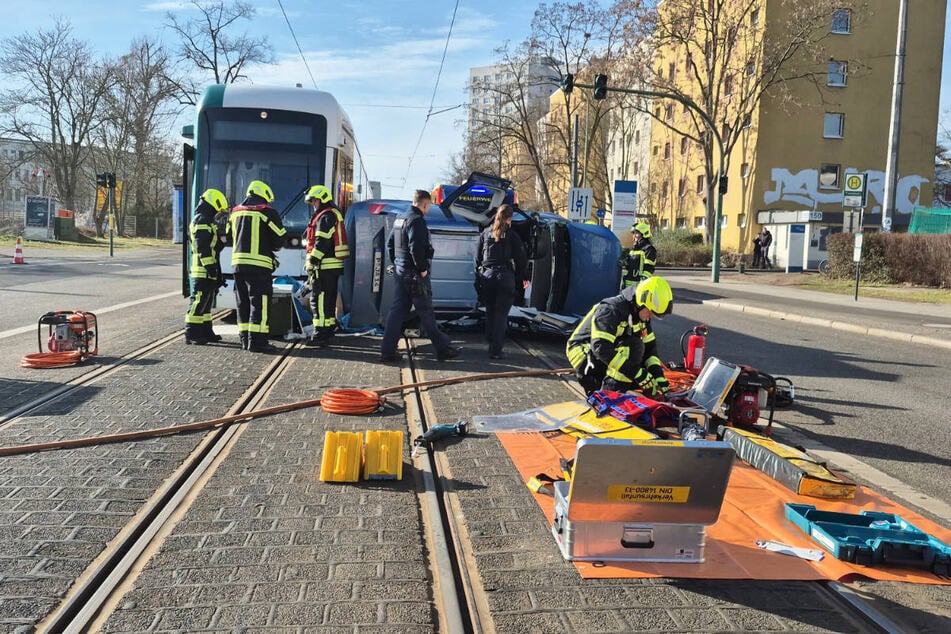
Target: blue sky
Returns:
[368, 53]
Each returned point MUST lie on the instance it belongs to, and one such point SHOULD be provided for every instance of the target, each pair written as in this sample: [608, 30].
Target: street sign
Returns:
[857, 248]
[600, 213]
[579, 203]
[855, 192]
[625, 197]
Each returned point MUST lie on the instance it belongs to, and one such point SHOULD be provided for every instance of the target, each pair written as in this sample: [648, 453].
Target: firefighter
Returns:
[205, 269]
[326, 249]
[256, 233]
[614, 347]
[639, 263]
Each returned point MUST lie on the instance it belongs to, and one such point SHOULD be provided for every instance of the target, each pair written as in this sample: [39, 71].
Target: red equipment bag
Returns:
[633, 409]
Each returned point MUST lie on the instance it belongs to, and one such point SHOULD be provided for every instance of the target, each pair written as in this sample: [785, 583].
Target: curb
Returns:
[835, 325]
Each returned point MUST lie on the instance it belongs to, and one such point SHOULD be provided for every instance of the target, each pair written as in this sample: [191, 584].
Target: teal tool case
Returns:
[872, 538]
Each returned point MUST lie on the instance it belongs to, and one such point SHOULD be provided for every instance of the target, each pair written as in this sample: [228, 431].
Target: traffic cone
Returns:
[18, 254]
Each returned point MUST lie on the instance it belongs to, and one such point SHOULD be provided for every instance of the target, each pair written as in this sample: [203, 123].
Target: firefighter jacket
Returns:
[507, 253]
[409, 246]
[640, 261]
[256, 233]
[327, 240]
[205, 245]
[605, 333]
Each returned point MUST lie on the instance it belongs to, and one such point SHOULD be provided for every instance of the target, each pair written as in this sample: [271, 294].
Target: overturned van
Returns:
[572, 265]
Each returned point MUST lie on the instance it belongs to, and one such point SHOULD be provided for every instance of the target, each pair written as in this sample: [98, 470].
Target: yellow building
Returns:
[788, 164]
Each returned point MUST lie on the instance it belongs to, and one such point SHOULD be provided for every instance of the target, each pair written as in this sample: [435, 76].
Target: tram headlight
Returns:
[264, 114]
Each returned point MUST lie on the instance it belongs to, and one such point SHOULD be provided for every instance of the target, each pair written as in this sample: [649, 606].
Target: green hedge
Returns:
[894, 258]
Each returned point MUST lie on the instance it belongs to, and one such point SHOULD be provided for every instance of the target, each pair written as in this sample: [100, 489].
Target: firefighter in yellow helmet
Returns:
[204, 269]
[256, 233]
[638, 263]
[614, 347]
[326, 249]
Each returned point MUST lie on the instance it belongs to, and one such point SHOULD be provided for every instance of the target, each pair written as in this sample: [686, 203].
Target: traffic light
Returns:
[568, 83]
[600, 86]
[100, 180]
[111, 180]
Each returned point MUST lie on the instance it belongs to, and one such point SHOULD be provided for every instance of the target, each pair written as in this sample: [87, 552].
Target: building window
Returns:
[748, 121]
[833, 125]
[670, 112]
[636, 168]
[742, 221]
[637, 137]
[682, 222]
[723, 222]
[837, 71]
[828, 176]
[700, 183]
[728, 85]
[842, 21]
[725, 133]
[682, 187]
[683, 145]
[663, 190]
[667, 151]
[745, 170]
[655, 150]
[665, 224]
[671, 72]
[751, 69]
[754, 17]
[657, 113]
[699, 222]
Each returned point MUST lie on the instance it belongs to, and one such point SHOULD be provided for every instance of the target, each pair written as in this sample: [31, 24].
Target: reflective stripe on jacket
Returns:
[256, 234]
[205, 246]
[327, 239]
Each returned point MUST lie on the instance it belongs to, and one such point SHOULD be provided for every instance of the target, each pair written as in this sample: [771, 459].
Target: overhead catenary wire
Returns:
[432, 100]
[299, 50]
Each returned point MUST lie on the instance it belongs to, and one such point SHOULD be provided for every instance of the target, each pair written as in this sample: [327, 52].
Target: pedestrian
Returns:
[614, 346]
[256, 233]
[411, 253]
[326, 249]
[205, 268]
[757, 249]
[501, 268]
[641, 259]
[766, 239]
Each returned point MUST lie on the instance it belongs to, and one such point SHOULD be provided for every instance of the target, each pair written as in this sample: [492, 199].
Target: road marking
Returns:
[109, 309]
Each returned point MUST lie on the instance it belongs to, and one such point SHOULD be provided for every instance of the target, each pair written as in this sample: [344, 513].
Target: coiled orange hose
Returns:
[51, 359]
[350, 401]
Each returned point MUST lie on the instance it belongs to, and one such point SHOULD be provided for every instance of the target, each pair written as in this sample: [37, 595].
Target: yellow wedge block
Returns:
[383, 455]
[343, 455]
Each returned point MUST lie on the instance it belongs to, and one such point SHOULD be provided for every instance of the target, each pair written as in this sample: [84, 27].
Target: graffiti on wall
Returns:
[802, 188]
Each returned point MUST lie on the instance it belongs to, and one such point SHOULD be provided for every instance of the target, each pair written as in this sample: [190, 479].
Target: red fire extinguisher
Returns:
[694, 354]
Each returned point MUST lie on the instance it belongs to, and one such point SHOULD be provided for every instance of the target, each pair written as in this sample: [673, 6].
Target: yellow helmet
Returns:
[260, 188]
[216, 199]
[318, 192]
[642, 228]
[655, 295]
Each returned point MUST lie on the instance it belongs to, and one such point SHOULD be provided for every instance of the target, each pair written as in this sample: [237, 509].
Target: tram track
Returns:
[90, 600]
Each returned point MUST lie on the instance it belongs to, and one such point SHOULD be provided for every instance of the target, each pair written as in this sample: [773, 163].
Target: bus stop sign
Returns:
[855, 192]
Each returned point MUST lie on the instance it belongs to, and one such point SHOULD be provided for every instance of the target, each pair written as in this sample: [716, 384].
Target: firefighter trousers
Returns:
[252, 290]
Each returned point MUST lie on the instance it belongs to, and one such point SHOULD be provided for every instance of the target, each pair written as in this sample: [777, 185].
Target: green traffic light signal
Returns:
[600, 86]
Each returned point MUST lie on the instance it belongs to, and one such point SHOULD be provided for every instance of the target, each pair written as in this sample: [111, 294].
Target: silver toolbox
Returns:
[641, 500]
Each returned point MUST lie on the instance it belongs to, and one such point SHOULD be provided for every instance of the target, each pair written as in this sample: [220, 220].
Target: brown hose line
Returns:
[267, 411]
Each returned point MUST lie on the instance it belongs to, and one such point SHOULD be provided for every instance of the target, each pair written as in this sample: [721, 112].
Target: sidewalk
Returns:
[909, 322]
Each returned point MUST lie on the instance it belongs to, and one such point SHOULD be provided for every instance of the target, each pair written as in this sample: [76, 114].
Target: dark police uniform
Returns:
[256, 233]
[613, 349]
[205, 273]
[410, 250]
[501, 266]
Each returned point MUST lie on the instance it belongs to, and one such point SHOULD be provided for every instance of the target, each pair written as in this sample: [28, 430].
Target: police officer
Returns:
[411, 252]
[640, 260]
[205, 269]
[501, 267]
[256, 233]
[326, 249]
[614, 347]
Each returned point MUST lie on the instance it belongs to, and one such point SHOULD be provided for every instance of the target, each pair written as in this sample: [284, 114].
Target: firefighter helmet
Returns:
[318, 192]
[216, 199]
[260, 188]
[642, 228]
[655, 295]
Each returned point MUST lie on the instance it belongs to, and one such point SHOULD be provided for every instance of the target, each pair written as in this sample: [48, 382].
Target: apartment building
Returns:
[787, 167]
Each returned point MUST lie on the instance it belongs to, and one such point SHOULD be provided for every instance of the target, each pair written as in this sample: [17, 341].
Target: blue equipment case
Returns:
[872, 538]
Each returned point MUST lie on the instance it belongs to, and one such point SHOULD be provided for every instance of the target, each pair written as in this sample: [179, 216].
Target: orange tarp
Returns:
[752, 510]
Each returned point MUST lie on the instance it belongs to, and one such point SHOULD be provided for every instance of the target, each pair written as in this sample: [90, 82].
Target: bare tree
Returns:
[208, 44]
[720, 55]
[140, 108]
[54, 102]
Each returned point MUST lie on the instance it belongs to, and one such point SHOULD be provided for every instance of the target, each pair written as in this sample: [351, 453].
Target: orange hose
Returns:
[350, 401]
[51, 359]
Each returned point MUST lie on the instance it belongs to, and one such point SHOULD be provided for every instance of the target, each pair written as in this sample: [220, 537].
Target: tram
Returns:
[290, 138]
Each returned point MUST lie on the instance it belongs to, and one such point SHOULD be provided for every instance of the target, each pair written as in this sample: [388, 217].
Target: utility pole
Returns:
[574, 156]
[894, 127]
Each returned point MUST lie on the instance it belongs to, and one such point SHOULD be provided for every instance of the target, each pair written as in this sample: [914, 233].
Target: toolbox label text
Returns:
[641, 493]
